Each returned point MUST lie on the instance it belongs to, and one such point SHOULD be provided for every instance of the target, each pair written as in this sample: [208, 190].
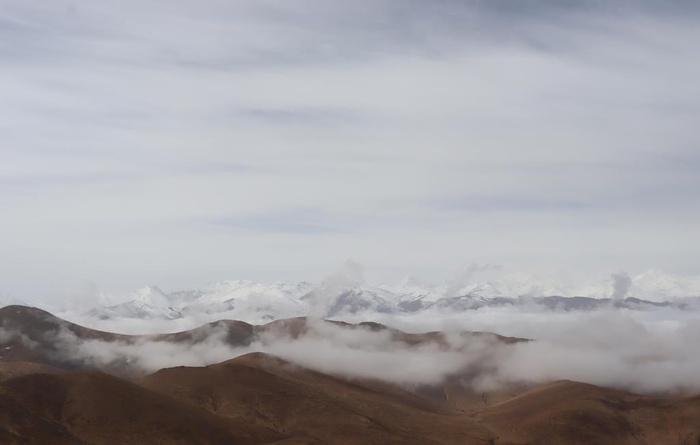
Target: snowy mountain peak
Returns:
[258, 302]
[656, 285]
[152, 296]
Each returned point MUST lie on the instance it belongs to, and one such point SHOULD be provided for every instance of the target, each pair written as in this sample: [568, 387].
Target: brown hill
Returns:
[295, 401]
[303, 326]
[10, 369]
[261, 399]
[271, 392]
[95, 408]
[33, 335]
[29, 334]
[567, 412]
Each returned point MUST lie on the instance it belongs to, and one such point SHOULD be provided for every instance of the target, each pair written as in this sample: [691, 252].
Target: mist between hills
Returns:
[645, 353]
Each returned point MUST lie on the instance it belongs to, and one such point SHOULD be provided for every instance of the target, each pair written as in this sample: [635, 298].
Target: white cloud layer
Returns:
[645, 352]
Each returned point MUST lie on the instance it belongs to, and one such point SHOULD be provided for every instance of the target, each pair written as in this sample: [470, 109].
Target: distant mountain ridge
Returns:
[257, 302]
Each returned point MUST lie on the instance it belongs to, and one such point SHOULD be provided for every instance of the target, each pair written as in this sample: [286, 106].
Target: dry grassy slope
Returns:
[19, 425]
[238, 333]
[576, 413]
[31, 335]
[301, 403]
[9, 370]
[260, 399]
[98, 409]
[268, 391]
[34, 323]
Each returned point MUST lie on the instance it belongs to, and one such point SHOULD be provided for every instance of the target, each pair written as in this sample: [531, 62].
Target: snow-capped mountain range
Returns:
[256, 302]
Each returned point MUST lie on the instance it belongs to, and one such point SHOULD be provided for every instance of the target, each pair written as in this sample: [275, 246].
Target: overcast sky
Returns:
[182, 142]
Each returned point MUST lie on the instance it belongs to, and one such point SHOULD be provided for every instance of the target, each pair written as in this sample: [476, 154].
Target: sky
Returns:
[180, 142]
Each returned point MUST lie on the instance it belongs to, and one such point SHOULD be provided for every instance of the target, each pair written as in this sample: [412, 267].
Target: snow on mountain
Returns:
[134, 309]
[458, 304]
[239, 289]
[257, 302]
[247, 300]
[332, 301]
[147, 302]
[239, 299]
[412, 295]
[652, 285]
[513, 285]
[152, 296]
[655, 285]
[602, 289]
[522, 284]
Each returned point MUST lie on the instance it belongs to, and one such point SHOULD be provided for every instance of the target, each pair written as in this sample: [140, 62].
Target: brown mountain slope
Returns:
[95, 408]
[10, 369]
[19, 425]
[302, 326]
[260, 399]
[577, 413]
[268, 391]
[294, 401]
[33, 335]
[28, 334]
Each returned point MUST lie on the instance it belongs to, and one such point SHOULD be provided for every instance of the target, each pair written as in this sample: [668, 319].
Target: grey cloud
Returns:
[489, 203]
[315, 32]
[297, 221]
[549, 121]
[642, 353]
[465, 276]
[648, 353]
[301, 116]
[621, 285]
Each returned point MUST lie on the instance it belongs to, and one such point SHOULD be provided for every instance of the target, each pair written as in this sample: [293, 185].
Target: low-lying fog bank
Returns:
[642, 351]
